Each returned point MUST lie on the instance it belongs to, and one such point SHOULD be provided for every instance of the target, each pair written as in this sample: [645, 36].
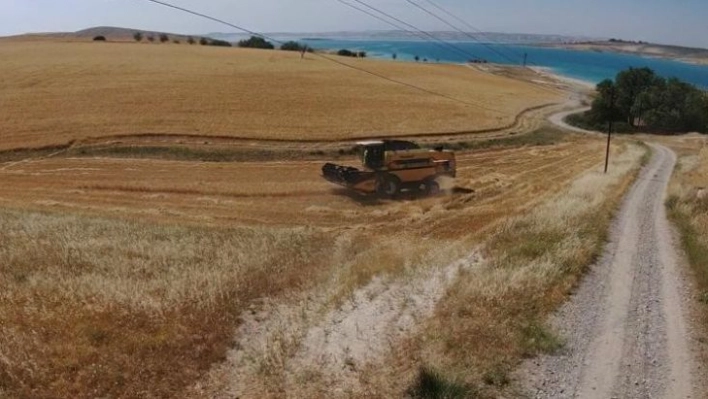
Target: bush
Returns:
[191, 40]
[294, 46]
[256, 42]
[138, 36]
[220, 43]
[164, 38]
[346, 53]
[99, 39]
[203, 41]
[176, 41]
[151, 38]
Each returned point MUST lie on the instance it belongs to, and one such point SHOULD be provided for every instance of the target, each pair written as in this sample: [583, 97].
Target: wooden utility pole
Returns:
[611, 117]
[609, 139]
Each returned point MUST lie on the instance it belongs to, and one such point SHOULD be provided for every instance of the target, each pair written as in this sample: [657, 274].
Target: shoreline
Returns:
[553, 74]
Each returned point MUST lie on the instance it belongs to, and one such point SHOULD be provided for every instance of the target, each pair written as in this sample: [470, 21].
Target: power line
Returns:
[446, 22]
[394, 24]
[425, 10]
[463, 22]
[427, 34]
[362, 70]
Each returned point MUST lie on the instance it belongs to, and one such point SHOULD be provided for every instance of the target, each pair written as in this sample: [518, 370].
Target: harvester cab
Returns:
[392, 166]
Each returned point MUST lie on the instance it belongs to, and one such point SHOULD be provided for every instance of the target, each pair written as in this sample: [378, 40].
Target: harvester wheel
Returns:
[388, 186]
[430, 187]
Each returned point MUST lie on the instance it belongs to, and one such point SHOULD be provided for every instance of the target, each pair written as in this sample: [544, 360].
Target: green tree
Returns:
[631, 83]
[256, 42]
[293, 46]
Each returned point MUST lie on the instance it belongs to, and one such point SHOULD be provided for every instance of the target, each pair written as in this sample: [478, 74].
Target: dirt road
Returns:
[626, 329]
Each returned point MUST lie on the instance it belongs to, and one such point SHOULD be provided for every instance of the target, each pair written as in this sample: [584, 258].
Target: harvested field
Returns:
[289, 193]
[158, 257]
[55, 92]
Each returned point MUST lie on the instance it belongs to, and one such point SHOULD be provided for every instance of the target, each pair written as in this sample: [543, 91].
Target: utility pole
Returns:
[609, 139]
[611, 118]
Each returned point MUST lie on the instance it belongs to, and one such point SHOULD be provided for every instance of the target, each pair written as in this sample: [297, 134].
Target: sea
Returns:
[588, 66]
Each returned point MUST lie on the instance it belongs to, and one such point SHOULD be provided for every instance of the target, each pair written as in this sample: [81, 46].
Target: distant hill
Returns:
[109, 32]
[686, 54]
[491, 37]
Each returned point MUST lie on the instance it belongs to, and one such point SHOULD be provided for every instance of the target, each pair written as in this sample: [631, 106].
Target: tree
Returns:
[604, 107]
[138, 36]
[256, 42]
[191, 40]
[631, 83]
[151, 38]
[293, 46]
[164, 38]
[417, 58]
[99, 39]
[640, 98]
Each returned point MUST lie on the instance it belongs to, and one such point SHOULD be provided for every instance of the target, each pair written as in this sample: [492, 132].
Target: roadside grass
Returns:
[493, 317]
[687, 206]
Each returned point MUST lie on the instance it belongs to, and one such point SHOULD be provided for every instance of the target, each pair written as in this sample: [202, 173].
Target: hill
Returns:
[110, 32]
[686, 54]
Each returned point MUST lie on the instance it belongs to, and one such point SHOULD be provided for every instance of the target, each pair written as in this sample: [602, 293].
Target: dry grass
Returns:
[56, 92]
[495, 315]
[688, 208]
[94, 306]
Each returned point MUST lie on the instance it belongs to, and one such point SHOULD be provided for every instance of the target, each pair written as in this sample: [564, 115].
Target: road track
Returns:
[626, 326]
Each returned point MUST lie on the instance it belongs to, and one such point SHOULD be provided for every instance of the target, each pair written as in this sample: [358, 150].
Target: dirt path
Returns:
[626, 329]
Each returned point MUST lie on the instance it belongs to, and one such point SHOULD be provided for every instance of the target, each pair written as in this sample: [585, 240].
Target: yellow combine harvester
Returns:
[392, 166]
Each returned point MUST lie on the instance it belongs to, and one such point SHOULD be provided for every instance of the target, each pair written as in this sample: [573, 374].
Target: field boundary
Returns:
[235, 139]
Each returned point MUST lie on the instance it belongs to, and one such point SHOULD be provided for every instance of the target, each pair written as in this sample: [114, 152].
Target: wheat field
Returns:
[138, 260]
[56, 92]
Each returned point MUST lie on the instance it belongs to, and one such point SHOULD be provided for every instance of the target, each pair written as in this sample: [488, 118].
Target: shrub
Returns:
[99, 39]
[151, 38]
[191, 40]
[293, 46]
[256, 42]
[176, 41]
[138, 36]
[220, 43]
[346, 53]
[164, 38]
[203, 41]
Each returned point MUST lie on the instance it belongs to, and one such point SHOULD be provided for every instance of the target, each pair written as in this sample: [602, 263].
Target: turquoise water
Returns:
[589, 66]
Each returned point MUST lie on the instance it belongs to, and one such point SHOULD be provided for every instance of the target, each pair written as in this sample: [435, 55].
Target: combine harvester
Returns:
[392, 166]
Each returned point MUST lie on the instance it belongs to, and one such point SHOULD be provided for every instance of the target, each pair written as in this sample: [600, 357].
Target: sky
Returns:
[681, 22]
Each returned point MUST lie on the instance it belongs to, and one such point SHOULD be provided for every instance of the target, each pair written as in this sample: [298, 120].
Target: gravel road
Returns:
[626, 327]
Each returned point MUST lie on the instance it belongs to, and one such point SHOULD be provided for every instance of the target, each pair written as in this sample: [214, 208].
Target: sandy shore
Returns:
[550, 73]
